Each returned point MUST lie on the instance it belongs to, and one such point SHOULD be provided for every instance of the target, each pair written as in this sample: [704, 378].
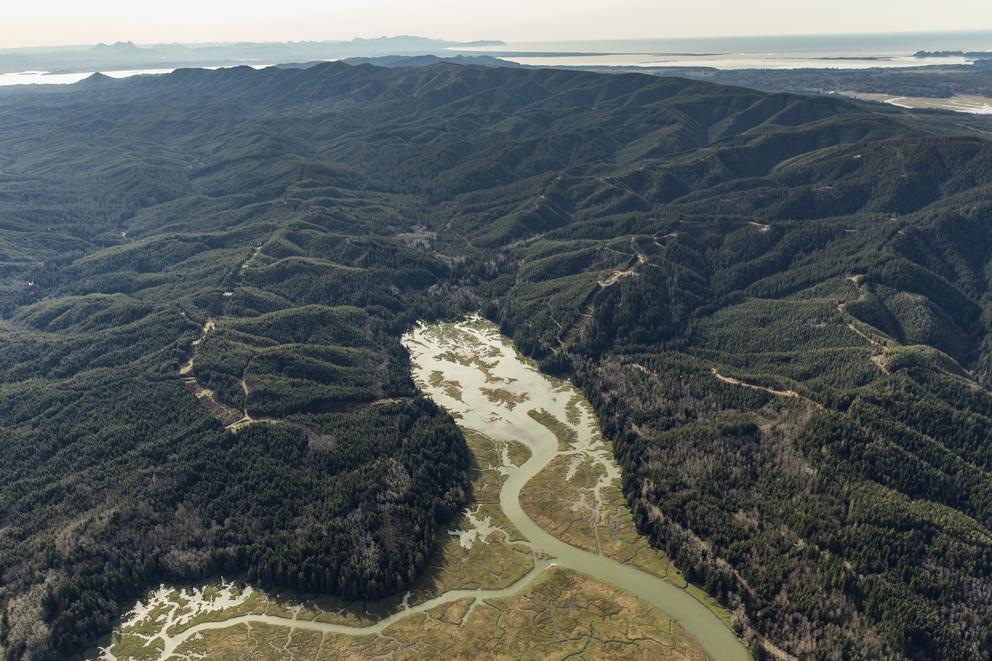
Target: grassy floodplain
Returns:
[493, 591]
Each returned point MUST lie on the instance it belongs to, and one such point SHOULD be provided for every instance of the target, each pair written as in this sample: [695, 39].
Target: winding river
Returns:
[432, 349]
[477, 375]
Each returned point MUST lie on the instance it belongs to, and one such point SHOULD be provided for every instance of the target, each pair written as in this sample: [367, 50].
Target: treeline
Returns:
[368, 504]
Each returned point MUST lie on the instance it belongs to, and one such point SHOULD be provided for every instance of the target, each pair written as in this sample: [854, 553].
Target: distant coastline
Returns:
[953, 53]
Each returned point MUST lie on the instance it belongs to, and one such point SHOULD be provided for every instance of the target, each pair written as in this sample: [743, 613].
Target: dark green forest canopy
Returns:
[778, 304]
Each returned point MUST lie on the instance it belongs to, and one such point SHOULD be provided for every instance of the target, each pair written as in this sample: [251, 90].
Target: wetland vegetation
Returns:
[488, 565]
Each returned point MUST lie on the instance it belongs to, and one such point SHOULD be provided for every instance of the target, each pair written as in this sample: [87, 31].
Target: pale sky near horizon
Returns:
[59, 22]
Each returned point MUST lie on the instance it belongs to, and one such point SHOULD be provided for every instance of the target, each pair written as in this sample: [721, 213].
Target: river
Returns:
[435, 348]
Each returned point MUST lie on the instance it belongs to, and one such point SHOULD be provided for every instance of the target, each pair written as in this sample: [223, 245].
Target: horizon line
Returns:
[527, 41]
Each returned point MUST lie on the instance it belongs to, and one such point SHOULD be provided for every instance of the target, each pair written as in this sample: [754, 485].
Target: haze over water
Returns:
[45, 78]
[861, 51]
[777, 52]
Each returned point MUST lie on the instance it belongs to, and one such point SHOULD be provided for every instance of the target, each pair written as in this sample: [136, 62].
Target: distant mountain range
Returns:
[390, 61]
[127, 55]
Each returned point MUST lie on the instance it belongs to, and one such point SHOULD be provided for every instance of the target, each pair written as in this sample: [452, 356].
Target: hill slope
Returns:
[779, 305]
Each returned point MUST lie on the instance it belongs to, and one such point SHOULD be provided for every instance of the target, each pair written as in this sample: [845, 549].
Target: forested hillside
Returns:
[778, 304]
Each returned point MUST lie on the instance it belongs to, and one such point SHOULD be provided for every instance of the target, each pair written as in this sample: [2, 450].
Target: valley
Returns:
[776, 309]
[979, 105]
[542, 441]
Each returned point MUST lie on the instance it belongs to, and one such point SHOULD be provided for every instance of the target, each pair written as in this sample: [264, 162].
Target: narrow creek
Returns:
[477, 375]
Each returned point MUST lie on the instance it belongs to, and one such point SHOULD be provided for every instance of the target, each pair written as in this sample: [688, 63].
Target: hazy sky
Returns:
[52, 22]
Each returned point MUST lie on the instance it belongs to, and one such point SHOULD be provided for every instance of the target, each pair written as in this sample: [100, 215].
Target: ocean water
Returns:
[46, 78]
[782, 52]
